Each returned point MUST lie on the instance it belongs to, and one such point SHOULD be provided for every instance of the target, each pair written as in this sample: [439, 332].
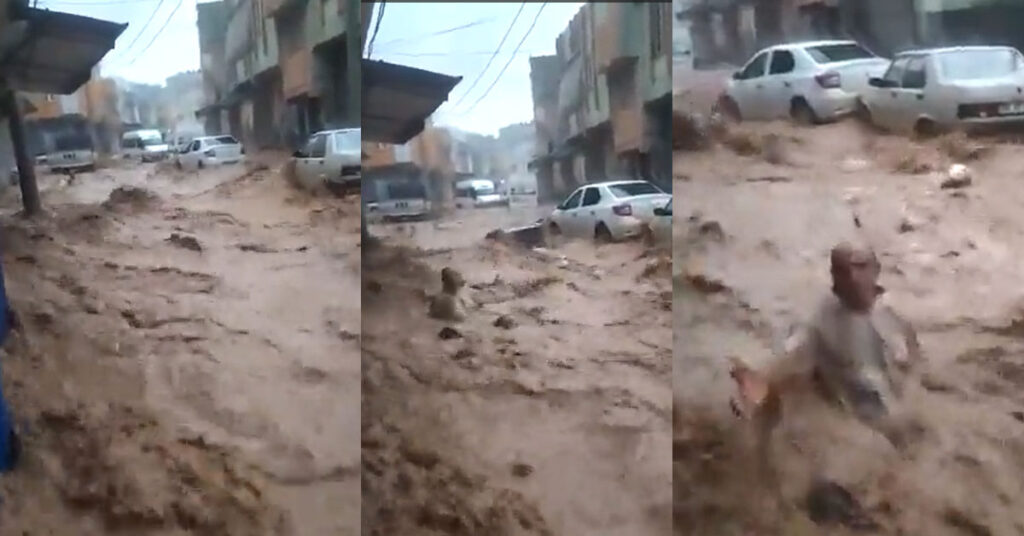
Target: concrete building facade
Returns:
[602, 105]
[283, 65]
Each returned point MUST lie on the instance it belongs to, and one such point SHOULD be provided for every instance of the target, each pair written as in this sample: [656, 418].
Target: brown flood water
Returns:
[751, 253]
[556, 425]
[188, 363]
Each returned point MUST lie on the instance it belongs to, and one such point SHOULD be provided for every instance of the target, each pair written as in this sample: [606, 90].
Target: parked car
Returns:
[73, 152]
[607, 211]
[661, 224]
[478, 193]
[209, 151]
[331, 158]
[146, 145]
[810, 82]
[397, 200]
[925, 91]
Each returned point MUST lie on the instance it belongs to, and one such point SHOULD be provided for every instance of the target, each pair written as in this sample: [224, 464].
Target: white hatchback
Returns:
[925, 91]
[810, 82]
[613, 210]
[210, 151]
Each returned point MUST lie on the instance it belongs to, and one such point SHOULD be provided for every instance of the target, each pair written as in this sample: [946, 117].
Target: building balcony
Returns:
[613, 45]
[296, 73]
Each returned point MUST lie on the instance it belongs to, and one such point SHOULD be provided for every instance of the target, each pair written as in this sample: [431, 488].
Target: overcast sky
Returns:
[408, 35]
[174, 50]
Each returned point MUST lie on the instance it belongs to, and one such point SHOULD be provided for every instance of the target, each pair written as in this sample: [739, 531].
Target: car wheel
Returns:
[602, 235]
[728, 109]
[802, 113]
[200, 164]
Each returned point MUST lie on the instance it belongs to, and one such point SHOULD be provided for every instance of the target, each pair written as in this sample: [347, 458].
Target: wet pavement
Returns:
[189, 358]
[545, 412]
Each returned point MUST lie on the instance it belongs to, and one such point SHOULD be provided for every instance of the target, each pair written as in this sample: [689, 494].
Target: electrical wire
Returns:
[143, 29]
[376, 28]
[512, 57]
[439, 32]
[496, 51]
[157, 34]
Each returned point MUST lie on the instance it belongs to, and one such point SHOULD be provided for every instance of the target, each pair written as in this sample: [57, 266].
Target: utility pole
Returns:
[26, 165]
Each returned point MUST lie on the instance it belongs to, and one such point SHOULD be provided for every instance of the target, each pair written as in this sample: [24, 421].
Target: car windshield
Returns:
[979, 64]
[222, 140]
[151, 140]
[838, 52]
[407, 190]
[348, 142]
[631, 189]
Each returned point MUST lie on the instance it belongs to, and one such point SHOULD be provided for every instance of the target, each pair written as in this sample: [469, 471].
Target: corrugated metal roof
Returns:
[398, 99]
[58, 51]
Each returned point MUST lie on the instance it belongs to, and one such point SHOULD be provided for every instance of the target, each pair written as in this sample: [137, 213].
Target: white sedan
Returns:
[210, 151]
[925, 91]
[809, 82]
[607, 211]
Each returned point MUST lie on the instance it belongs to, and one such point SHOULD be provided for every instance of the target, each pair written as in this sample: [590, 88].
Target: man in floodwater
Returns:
[10, 443]
[855, 354]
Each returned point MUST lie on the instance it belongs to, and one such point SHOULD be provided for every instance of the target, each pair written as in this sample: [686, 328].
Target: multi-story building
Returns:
[284, 68]
[603, 105]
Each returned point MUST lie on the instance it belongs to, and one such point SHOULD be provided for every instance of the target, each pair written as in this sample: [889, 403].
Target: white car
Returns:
[661, 225]
[810, 82]
[478, 193]
[605, 211]
[146, 145]
[331, 158]
[925, 91]
[210, 151]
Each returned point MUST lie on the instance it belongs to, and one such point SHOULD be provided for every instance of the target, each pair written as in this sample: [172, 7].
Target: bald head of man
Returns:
[855, 271]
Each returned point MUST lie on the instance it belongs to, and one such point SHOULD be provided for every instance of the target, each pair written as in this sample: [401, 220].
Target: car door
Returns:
[778, 84]
[565, 214]
[193, 155]
[884, 102]
[311, 166]
[910, 98]
[748, 87]
[590, 211]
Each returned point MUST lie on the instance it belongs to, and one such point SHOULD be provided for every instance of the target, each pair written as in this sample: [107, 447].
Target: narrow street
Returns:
[546, 412]
[187, 362]
[753, 230]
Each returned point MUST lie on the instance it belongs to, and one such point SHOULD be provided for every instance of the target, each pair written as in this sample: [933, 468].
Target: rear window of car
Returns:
[406, 190]
[223, 140]
[630, 189]
[978, 64]
[838, 52]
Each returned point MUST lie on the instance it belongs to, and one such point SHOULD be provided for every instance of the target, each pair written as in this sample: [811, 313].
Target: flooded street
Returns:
[187, 362]
[752, 237]
[546, 411]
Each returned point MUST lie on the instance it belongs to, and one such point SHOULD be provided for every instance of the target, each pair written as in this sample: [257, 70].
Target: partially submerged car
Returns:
[607, 211]
[210, 151]
[478, 193]
[926, 91]
[396, 200]
[146, 145]
[71, 153]
[331, 158]
[810, 82]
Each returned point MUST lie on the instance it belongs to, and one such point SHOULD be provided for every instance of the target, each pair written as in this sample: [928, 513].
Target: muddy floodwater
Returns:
[752, 236]
[188, 356]
[545, 412]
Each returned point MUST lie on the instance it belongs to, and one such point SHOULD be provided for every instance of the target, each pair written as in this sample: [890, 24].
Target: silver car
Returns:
[331, 158]
[809, 81]
[925, 91]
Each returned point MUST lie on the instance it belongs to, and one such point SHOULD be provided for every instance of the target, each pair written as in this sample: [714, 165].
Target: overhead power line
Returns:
[511, 58]
[157, 34]
[142, 30]
[376, 29]
[439, 32]
[496, 50]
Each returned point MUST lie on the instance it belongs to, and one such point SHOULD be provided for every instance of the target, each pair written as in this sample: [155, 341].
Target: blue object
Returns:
[6, 458]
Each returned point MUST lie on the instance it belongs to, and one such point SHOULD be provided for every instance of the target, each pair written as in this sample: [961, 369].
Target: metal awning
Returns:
[54, 52]
[398, 99]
